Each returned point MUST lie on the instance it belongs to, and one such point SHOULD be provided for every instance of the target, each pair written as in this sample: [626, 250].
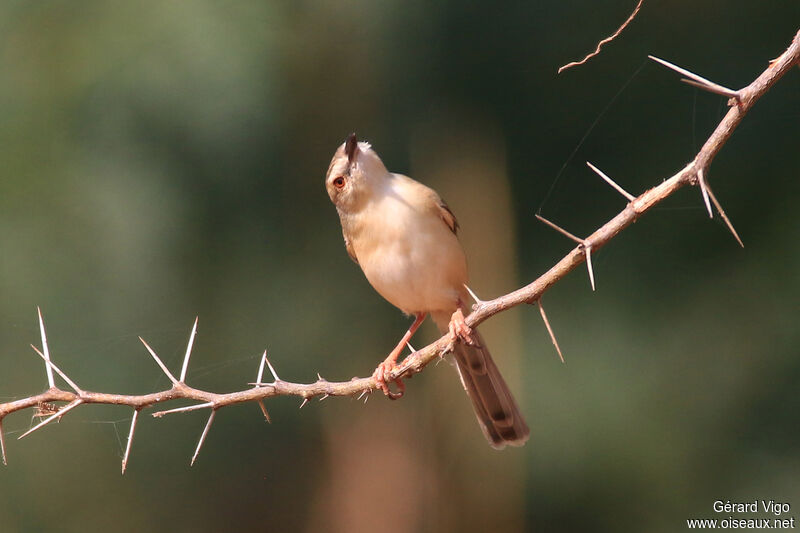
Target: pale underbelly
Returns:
[423, 275]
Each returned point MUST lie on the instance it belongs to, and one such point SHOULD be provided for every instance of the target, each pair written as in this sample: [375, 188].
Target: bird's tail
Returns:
[497, 412]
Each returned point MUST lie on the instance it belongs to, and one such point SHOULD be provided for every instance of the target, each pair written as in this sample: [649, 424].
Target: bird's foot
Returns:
[383, 376]
[459, 329]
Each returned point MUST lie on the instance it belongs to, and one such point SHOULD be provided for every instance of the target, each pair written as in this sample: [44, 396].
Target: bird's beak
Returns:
[350, 146]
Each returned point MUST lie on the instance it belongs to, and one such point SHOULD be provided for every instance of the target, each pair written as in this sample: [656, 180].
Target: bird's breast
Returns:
[410, 257]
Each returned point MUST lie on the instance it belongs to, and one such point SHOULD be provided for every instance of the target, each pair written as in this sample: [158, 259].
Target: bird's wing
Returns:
[426, 198]
[447, 215]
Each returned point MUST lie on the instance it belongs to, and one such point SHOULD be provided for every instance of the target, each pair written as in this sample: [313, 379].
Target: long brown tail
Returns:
[494, 405]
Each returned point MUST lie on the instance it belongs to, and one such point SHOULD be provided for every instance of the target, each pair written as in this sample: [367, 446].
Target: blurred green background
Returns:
[162, 160]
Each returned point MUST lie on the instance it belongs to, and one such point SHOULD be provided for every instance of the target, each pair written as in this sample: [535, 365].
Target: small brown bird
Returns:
[403, 236]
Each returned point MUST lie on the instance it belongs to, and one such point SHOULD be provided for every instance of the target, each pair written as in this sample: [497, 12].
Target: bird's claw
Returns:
[383, 376]
[460, 330]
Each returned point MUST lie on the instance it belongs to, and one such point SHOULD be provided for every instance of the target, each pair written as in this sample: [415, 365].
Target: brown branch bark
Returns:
[691, 174]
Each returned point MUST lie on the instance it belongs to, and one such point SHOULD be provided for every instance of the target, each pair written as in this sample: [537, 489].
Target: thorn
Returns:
[160, 364]
[323, 397]
[305, 401]
[264, 410]
[550, 330]
[188, 351]
[410, 347]
[560, 230]
[448, 348]
[274, 374]
[320, 378]
[587, 250]
[365, 391]
[203, 436]
[716, 89]
[59, 372]
[194, 407]
[50, 379]
[3, 443]
[367, 398]
[59, 414]
[724, 217]
[473, 295]
[699, 81]
[261, 368]
[130, 440]
[701, 181]
[611, 182]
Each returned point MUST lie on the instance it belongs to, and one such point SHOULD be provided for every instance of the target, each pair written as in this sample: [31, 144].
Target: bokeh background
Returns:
[165, 160]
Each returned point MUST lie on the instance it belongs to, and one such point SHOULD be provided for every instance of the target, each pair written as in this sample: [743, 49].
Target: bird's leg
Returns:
[385, 368]
[459, 329]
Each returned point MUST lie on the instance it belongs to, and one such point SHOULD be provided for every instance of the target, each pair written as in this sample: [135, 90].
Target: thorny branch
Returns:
[695, 173]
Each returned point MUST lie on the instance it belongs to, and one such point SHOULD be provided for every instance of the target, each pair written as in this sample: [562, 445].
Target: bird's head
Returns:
[354, 170]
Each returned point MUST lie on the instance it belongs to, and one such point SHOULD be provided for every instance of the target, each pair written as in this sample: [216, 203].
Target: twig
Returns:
[481, 311]
[604, 41]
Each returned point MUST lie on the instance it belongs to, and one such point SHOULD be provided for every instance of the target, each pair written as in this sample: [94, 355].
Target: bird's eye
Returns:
[339, 182]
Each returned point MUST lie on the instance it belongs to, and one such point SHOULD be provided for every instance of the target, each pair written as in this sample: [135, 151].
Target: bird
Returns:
[404, 238]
